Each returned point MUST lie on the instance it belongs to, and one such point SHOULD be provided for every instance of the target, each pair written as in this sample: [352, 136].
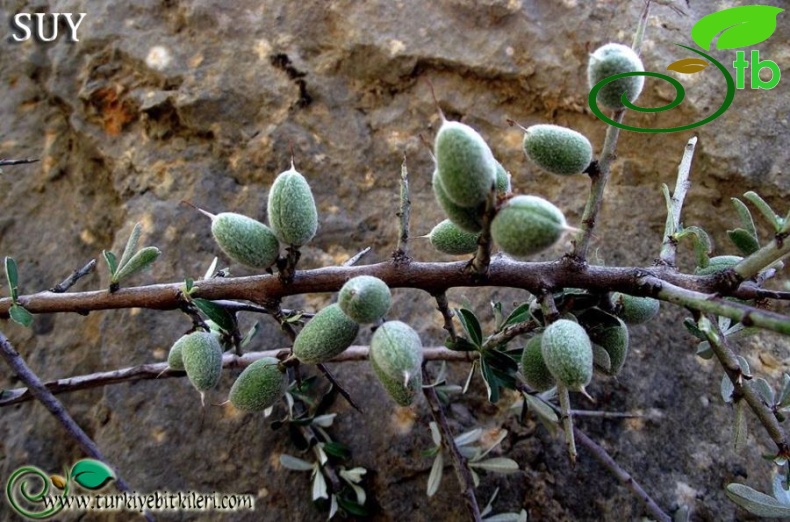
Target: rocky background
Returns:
[165, 100]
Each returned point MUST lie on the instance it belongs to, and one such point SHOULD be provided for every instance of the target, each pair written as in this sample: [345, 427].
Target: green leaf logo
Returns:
[91, 474]
[739, 27]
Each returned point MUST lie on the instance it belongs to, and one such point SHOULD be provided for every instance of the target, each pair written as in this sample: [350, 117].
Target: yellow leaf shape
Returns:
[58, 481]
[688, 65]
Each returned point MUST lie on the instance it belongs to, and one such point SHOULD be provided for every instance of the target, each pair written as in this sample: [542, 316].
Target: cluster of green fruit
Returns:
[466, 171]
[395, 350]
[567, 350]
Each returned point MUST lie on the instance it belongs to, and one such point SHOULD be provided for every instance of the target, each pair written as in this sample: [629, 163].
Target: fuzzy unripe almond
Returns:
[291, 209]
[325, 336]
[365, 299]
[502, 180]
[467, 168]
[448, 238]
[468, 219]
[533, 367]
[174, 359]
[634, 309]
[259, 386]
[396, 358]
[557, 149]
[201, 355]
[527, 225]
[609, 60]
[614, 340]
[245, 240]
[568, 354]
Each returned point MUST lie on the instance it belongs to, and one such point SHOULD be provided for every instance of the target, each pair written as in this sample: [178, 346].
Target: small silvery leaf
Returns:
[755, 502]
[112, 263]
[726, 389]
[469, 377]
[294, 463]
[489, 506]
[475, 477]
[435, 478]
[360, 493]
[497, 465]
[469, 437]
[319, 484]
[435, 434]
[744, 364]
[353, 475]
[704, 350]
[322, 458]
[325, 421]
[332, 507]
[508, 517]
[740, 426]
[781, 491]
[12, 276]
[250, 335]
[784, 396]
[211, 269]
[138, 262]
[131, 245]
[469, 452]
[765, 391]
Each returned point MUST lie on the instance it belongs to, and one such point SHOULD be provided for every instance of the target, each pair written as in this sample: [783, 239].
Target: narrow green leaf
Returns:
[112, 262]
[250, 335]
[601, 358]
[490, 506]
[541, 409]
[324, 421]
[143, 259]
[742, 26]
[492, 386]
[667, 197]
[469, 375]
[755, 502]
[701, 242]
[352, 508]
[337, 450]
[518, 315]
[471, 325]
[784, 395]
[435, 477]
[19, 315]
[745, 215]
[691, 326]
[91, 474]
[131, 244]
[219, 314]
[189, 284]
[12, 275]
[743, 241]
[704, 351]
[460, 345]
[765, 209]
[436, 435]
[498, 317]
[332, 506]
[295, 463]
[744, 364]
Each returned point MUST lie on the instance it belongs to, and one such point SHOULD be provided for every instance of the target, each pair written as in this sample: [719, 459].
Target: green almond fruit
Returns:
[469, 219]
[613, 339]
[502, 180]
[449, 238]
[557, 149]
[365, 299]
[201, 355]
[396, 358]
[533, 367]
[325, 336]
[466, 166]
[174, 359]
[245, 240]
[291, 209]
[568, 354]
[717, 264]
[609, 60]
[527, 225]
[635, 310]
[259, 386]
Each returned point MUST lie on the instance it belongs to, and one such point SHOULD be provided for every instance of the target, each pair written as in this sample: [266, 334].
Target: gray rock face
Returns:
[164, 101]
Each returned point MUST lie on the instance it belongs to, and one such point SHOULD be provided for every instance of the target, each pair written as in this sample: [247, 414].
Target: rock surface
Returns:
[203, 100]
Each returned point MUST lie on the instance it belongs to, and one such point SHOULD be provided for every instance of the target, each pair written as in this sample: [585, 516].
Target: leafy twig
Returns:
[460, 466]
[682, 185]
[160, 371]
[55, 407]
